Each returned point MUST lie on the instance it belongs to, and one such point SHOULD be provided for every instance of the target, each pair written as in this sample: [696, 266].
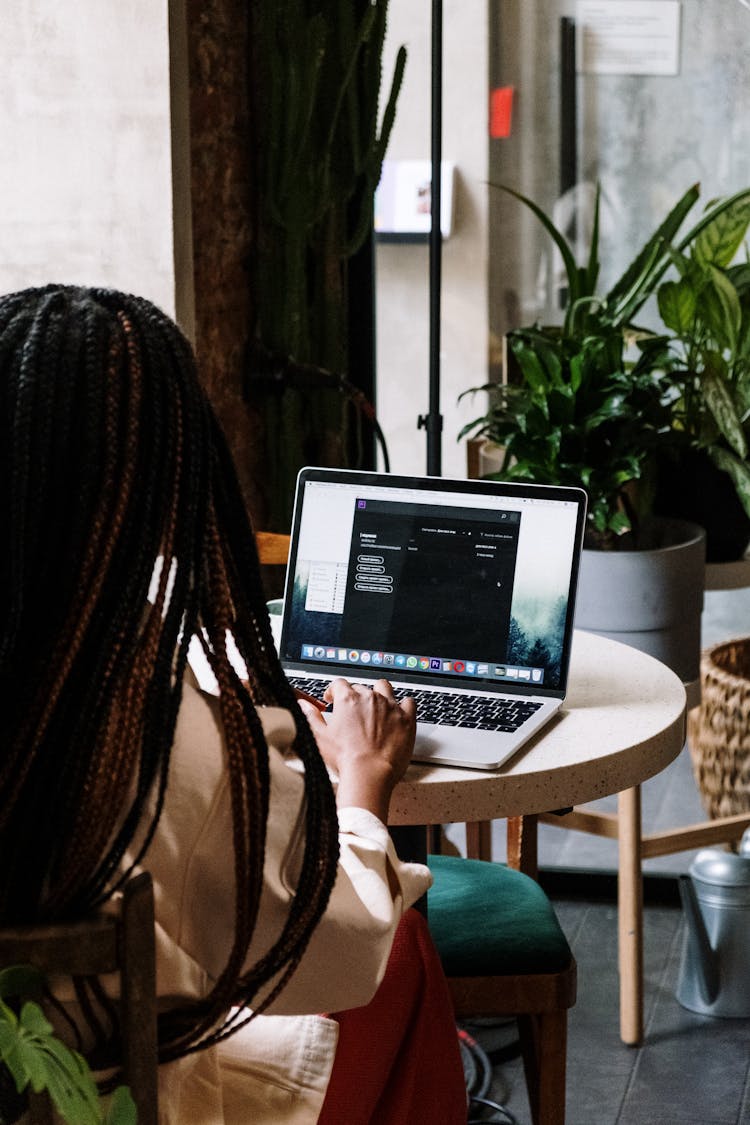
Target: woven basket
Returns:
[719, 730]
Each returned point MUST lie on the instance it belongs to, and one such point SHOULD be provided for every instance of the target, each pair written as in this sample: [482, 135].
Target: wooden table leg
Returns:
[479, 839]
[522, 844]
[630, 916]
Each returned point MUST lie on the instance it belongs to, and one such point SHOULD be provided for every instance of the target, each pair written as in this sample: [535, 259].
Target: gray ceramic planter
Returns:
[650, 598]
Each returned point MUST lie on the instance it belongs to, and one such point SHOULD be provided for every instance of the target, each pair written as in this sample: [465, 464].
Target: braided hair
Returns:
[111, 459]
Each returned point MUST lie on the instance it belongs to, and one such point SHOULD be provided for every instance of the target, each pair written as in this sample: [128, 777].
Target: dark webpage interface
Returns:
[429, 582]
[425, 591]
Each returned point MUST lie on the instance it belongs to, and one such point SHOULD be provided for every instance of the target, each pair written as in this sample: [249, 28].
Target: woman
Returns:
[116, 481]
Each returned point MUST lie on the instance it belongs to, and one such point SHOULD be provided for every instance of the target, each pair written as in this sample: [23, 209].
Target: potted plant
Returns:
[591, 402]
[33, 1059]
[705, 476]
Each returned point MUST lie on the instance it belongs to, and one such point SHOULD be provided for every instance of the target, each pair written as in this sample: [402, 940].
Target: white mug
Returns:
[275, 611]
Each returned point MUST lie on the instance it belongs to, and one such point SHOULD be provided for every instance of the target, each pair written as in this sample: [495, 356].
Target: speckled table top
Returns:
[623, 721]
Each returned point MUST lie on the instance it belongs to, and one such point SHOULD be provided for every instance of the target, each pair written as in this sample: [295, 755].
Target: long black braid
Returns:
[111, 458]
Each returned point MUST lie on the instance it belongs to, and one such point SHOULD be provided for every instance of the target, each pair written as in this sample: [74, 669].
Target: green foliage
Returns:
[580, 416]
[707, 310]
[594, 401]
[37, 1060]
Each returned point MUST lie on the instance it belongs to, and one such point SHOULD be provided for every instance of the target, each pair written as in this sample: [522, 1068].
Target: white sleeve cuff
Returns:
[414, 879]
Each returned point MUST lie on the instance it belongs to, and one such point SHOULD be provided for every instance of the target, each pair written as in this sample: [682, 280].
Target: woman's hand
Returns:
[367, 739]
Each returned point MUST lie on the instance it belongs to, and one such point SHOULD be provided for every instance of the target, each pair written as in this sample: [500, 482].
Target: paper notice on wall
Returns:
[628, 36]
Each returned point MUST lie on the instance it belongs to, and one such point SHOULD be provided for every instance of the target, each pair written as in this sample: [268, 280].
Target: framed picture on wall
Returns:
[403, 200]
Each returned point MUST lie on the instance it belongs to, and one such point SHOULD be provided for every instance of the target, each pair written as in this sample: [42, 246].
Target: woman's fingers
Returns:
[312, 713]
[340, 688]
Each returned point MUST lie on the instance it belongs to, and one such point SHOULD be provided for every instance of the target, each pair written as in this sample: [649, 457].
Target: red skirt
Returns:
[398, 1060]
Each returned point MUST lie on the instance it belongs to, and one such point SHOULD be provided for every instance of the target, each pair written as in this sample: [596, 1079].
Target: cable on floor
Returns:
[478, 1076]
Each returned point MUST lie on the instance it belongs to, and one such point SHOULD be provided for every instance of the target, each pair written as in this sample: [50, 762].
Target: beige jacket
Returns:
[276, 1069]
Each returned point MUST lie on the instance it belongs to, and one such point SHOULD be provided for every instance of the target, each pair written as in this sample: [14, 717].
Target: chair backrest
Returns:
[273, 548]
[105, 943]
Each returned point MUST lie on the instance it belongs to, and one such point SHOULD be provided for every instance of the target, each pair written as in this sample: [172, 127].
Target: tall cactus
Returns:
[317, 68]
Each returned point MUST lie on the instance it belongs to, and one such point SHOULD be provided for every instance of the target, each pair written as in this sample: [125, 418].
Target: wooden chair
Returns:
[272, 547]
[105, 943]
[504, 954]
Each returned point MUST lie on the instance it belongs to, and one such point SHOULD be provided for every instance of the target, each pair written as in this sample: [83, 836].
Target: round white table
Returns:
[623, 721]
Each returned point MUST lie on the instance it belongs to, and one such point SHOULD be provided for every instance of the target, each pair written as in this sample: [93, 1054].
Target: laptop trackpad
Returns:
[467, 748]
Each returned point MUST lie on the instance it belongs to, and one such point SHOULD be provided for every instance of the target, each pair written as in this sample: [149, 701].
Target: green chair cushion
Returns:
[488, 920]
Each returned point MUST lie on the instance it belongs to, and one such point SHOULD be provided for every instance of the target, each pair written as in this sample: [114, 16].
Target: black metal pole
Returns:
[568, 106]
[568, 118]
[433, 420]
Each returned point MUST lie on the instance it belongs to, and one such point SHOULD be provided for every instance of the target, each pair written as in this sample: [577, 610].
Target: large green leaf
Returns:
[591, 276]
[631, 290]
[576, 372]
[626, 304]
[718, 242]
[568, 257]
[69, 1084]
[533, 371]
[710, 216]
[721, 309]
[738, 470]
[719, 402]
[739, 275]
[122, 1109]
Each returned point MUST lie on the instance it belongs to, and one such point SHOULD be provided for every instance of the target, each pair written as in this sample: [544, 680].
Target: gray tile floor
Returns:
[690, 1069]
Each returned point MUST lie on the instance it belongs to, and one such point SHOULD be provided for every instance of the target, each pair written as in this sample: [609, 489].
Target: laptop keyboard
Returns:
[448, 709]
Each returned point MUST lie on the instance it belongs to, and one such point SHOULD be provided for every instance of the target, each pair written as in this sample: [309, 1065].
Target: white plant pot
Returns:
[490, 458]
[651, 599]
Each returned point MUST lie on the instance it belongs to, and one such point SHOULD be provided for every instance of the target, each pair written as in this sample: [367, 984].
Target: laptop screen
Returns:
[421, 578]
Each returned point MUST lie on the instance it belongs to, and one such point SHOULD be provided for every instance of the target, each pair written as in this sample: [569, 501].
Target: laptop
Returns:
[459, 592]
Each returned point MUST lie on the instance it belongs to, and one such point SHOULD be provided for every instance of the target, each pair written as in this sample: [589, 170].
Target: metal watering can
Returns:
[714, 976]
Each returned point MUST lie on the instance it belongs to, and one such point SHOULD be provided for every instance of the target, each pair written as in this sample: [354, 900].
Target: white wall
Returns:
[85, 187]
[402, 271]
[86, 193]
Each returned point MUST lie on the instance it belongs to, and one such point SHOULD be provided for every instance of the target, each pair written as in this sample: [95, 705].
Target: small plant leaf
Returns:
[33, 1020]
[20, 980]
[676, 300]
[9, 1040]
[31, 1062]
[122, 1109]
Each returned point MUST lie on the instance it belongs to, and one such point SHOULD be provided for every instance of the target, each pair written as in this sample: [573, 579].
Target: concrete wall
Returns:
[402, 271]
[85, 183]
